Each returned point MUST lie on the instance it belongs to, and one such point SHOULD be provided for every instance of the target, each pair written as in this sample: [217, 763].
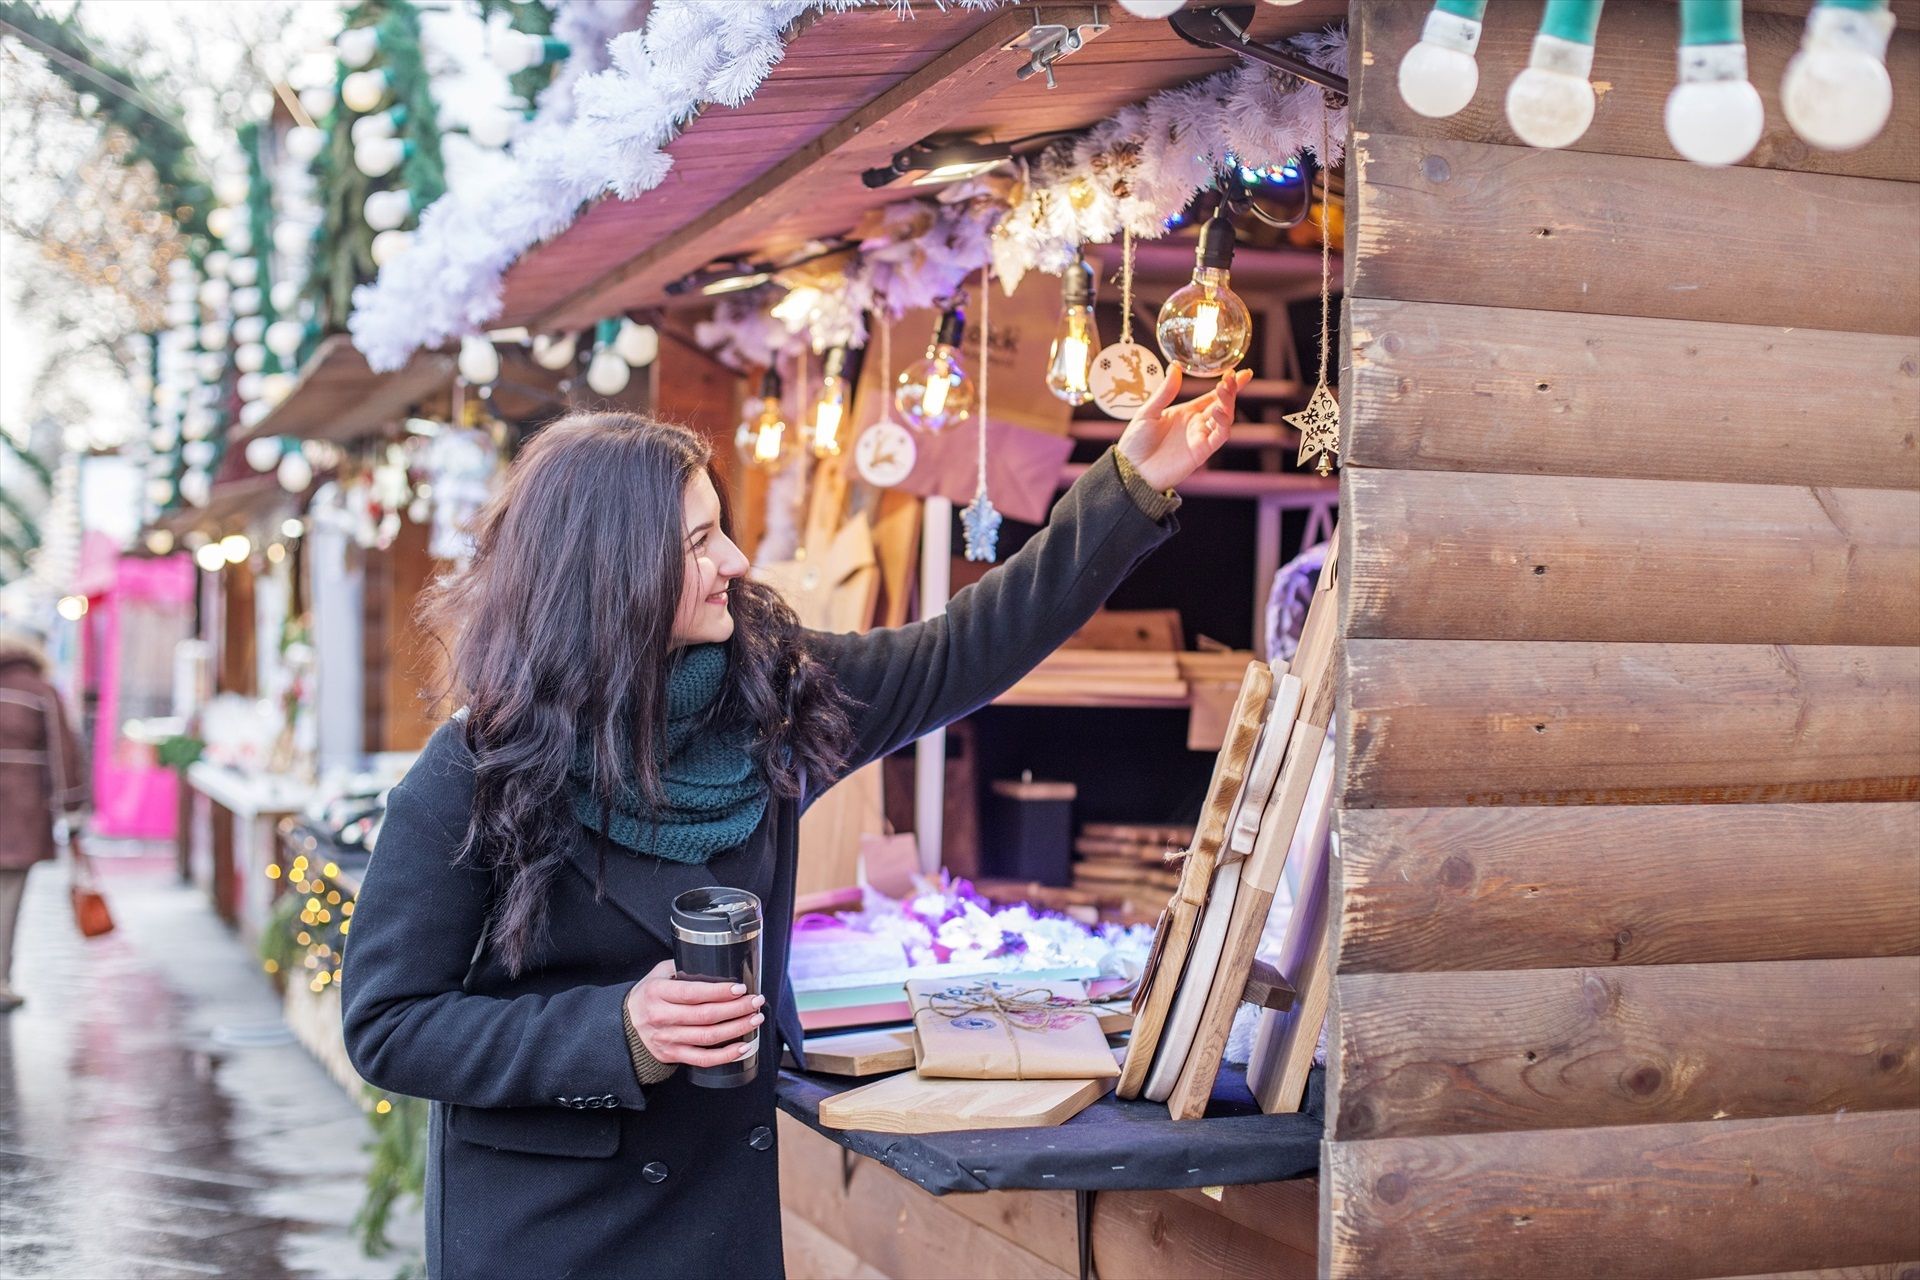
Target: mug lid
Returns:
[716, 913]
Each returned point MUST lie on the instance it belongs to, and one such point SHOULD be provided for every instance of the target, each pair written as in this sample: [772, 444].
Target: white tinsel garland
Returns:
[604, 134]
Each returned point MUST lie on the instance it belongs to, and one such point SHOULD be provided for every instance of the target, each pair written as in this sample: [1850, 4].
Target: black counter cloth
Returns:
[1113, 1145]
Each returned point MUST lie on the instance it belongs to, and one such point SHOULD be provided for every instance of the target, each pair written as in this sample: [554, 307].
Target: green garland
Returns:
[154, 130]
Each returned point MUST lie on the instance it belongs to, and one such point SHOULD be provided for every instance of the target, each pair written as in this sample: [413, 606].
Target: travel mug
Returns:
[716, 938]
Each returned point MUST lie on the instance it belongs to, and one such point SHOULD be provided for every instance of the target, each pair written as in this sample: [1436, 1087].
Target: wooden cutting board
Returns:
[911, 1103]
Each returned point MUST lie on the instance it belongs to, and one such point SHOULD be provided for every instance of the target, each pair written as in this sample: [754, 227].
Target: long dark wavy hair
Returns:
[561, 630]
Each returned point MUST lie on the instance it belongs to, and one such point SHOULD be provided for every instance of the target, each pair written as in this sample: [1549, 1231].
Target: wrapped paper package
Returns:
[1007, 1029]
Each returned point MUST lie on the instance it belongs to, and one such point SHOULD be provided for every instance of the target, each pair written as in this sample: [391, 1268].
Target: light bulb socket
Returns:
[951, 329]
[1076, 282]
[1215, 249]
[771, 386]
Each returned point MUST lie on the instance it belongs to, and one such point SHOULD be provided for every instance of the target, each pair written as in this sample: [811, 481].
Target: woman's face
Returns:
[713, 562]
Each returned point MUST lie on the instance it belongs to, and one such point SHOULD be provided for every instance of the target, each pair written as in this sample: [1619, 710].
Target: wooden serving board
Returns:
[1175, 933]
[912, 1103]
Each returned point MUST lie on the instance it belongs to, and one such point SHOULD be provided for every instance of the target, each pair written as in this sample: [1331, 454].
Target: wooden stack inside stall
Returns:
[1628, 903]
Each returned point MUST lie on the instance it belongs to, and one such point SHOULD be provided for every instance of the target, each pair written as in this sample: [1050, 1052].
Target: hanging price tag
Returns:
[1124, 376]
[884, 454]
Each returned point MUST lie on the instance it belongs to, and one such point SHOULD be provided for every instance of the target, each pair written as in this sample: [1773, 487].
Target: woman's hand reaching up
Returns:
[1166, 443]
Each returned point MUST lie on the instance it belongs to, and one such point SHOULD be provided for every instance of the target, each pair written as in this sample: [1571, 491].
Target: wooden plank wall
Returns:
[1627, 915]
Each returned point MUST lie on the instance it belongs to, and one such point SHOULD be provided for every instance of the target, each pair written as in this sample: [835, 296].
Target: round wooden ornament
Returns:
[1124, 376]
[884, 453]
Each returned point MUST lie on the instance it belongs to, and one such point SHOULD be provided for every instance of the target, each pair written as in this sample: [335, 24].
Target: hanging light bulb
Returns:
[285, 296]
[1714, 115]
[772, 441]
[249, 357]
[389, 245]
[1550, 103]
[516, 51]
[1070, 361]
[364, 91]
[377, 125]
[244, 272]
[283, 338]
[479, 363]
[304, 142]
[637, 344]
[935, 392]
[386, 210]
[208, 556]
[378, 157]
[275, 387]
[249, 385]
[230, 186]
[830, 406]
[1204, 327]
[1438, 76]
[263, 454]
[607, 373]
[220, 221]
[245, 302]
[357, 45]
[553, 351]
[249, 329]
[1836, 93]
[492, 127]
[294, 473]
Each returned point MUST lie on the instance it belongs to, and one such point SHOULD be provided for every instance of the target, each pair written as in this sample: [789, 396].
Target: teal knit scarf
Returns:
[716, 794]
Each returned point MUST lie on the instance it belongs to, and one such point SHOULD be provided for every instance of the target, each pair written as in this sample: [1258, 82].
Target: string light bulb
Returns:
[1714, 116]
[1205, 327]
[1551, 102]
[830, 406]
[1439, 76]
[389, 245]
[378, 157]
[607, 373]
[357, 45]
[1836, 92]
[773, 444]
[553, 352]
[1076, 338]
[364, 91]
[517, 51]
[478, 362]
[934, 393]
[637, 343]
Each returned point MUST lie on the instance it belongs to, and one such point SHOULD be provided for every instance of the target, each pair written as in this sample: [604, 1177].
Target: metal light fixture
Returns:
[931, 163]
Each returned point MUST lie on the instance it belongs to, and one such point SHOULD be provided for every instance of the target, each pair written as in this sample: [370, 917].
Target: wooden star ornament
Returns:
[1319, 427]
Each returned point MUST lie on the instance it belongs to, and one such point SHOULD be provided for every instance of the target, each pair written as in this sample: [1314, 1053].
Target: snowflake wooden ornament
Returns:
[1319, 427]
[980, 527]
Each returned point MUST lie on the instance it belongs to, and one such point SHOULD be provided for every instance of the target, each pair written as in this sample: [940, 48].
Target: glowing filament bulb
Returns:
[830, 409]
[1204, 327]
[1070, 362]
[934, 393]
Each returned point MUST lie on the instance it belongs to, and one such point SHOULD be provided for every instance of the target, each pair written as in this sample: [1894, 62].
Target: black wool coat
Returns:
[546, 1156]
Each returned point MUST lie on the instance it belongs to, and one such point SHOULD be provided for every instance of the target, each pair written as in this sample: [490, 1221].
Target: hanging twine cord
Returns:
[986, 290]
[1326, 232]
[1126, 286]
[886, 357]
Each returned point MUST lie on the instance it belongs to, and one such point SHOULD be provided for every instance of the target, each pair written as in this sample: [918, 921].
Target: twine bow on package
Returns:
[1007, 1029]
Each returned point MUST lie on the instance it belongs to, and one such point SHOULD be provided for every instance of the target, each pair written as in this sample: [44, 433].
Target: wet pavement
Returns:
[154, 1119]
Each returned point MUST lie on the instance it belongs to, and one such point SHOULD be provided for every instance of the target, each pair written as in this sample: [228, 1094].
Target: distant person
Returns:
[642, 718]
[43, 774]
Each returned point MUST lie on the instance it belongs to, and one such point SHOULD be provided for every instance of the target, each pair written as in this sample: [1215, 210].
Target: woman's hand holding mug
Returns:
[696, 1023]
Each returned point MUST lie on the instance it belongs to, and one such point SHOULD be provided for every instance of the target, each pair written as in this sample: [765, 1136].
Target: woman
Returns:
[42, 774]
[641, 720]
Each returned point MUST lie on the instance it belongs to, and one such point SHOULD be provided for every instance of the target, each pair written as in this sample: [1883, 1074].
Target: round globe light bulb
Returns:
[491, 127]
[159, 493]
[608, 374]
[245, 302]
[379, 157]
[1715, 122]
[213, 336]
[304, 143]
[209, 365]
[389, 245]
[196, 487]
[1549, 108]
[248, 385]
[231, 187]
[479, 363]
[244, 272]
[1835, 98]
[294, 473]
[263, 454]
[283, 338]
[209, 557]
[386, 210]
[236, 547]
[553, 351]
[249, 329]
[285, 295]
[1437, 81]
[254, 412]
[275, 387]
[364, 91]
[220, 221]
[357, 45]
[197, 453]
[637, 344]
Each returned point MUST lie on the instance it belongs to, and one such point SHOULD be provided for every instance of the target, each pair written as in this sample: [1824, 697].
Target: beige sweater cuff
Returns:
[646, 1068]
[1155, 504]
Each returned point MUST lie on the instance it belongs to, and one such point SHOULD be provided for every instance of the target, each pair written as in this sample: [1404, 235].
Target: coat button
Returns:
[761, 1138]
[654, 1171]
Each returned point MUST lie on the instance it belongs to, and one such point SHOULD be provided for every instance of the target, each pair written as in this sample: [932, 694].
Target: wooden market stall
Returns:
[1628, 912]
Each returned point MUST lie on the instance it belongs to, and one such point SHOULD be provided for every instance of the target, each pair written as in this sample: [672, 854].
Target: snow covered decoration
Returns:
[601, 130]
[1142, 167]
